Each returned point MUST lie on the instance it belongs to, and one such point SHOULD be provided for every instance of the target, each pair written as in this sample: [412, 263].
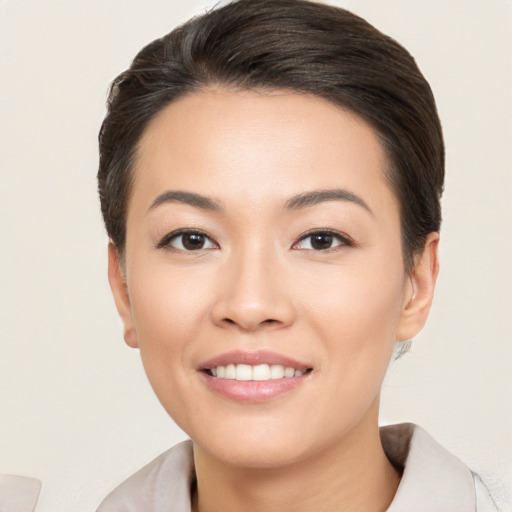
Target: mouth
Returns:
[253, 376]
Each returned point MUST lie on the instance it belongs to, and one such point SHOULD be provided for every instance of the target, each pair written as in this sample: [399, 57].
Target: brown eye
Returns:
[187, 241]
[322, 241]
[193, 241]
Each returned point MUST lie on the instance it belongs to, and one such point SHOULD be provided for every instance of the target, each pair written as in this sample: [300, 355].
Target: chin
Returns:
[263, 442]
[258, 453]
[248, 439]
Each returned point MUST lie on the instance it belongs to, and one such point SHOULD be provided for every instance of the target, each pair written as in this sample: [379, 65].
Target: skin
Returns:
[258, 284]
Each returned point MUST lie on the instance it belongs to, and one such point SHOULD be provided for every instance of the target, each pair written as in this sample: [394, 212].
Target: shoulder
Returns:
[433, 478]
[163, 482]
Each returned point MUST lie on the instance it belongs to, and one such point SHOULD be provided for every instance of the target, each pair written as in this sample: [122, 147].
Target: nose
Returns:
[252, 294]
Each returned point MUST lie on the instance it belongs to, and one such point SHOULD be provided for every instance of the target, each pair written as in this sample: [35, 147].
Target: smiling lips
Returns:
[253, 376]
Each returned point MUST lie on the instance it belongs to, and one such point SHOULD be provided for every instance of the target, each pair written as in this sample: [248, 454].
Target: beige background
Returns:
[75, 408]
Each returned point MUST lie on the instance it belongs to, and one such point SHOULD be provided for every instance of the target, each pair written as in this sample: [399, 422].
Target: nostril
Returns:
[268, 321]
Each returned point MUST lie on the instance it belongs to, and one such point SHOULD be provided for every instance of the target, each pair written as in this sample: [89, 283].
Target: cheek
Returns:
[359, 303]
[356, 313]
[168, 310]
[356, 316]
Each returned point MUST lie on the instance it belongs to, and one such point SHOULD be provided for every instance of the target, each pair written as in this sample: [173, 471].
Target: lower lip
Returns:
[253, 391]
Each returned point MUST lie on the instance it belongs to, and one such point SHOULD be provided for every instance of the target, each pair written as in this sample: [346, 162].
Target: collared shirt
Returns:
[19, 493]
[433, 480]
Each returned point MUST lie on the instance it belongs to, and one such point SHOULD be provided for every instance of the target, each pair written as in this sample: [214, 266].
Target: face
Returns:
[263, 278]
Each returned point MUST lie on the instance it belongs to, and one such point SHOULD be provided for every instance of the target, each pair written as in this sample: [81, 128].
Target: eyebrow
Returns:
[304, 200]
[315, 197]
[190, 198]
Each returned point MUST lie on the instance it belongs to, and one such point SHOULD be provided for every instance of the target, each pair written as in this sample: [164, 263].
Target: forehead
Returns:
[259, 146]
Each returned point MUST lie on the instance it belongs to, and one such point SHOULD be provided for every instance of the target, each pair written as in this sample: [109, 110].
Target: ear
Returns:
[117, 282]
[420, 290]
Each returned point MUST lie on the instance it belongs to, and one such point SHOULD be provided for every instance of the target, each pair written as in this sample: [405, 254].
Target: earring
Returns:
[401, 348]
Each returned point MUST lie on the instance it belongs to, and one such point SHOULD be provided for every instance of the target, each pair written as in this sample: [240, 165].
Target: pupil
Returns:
[193, 241]
[322, 241]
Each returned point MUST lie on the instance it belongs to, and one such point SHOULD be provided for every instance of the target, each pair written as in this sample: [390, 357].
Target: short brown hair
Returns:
[285, 44]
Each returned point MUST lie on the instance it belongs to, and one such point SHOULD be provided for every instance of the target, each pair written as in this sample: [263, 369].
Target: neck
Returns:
[351, 476]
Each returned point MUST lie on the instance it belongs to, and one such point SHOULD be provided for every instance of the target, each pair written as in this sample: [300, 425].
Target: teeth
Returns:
[289, 372]
[276, 371]
[258, 372]
[230, 372]
[243, 372]
[261, 372]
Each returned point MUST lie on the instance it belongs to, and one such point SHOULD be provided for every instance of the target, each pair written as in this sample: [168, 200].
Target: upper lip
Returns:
[252, 358]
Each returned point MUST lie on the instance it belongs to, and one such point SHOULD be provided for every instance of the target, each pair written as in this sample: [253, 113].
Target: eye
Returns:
[188, 240]
[323, 240]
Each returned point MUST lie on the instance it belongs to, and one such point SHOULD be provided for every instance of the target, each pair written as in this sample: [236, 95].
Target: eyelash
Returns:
[165, 243]
[343, 240]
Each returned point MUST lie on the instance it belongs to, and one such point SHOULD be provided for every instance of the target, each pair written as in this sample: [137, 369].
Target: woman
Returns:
[270, 177]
